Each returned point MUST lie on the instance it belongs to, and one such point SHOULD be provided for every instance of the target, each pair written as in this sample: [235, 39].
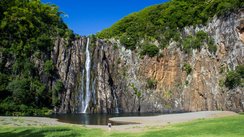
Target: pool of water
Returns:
[96, 119]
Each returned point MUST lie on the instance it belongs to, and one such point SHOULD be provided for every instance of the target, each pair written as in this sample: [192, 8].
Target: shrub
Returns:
[195, 42]
[151, 83]
[187, 68]
[235, 78]
[187, 44]
[240, 70]
[201, 35]
[211, 46]
[191, 42]
[150, 50]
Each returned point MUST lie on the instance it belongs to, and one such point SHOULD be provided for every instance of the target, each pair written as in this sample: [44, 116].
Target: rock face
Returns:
[123, 81]
[241, 30]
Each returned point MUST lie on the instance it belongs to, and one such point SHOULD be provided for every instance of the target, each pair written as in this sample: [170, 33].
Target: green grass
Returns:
[219, 127]
[59, 131]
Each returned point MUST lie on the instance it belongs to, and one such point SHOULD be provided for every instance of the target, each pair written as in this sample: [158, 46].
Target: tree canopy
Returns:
[28, 29]
[165, 21]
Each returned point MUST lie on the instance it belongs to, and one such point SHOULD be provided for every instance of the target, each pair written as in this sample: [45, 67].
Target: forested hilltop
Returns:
[165, 22]
[28, 29]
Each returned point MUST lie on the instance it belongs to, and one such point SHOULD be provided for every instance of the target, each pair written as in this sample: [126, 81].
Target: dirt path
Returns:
[144, 123]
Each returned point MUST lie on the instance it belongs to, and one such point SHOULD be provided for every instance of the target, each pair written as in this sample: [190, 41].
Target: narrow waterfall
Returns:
[116, 103]
[87, 98]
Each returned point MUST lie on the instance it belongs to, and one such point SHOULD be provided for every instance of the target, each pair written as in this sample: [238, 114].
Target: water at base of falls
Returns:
[87, 98]
[96, 119]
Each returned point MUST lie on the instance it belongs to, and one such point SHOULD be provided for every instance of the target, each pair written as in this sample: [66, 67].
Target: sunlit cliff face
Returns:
[241, 30]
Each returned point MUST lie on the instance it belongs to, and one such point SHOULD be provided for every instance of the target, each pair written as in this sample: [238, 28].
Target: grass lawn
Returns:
[219, 127]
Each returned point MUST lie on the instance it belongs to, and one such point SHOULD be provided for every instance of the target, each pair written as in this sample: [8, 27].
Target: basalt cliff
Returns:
[116, 79]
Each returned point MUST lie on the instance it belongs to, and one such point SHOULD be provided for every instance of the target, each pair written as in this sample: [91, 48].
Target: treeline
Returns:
[28, 29]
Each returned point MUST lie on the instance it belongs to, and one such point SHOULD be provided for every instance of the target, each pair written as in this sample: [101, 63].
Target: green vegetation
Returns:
[151, 83]
[150, 50]
[59, 131]
[57, 90]
[235, 78]
[195, 42]
[28, 30]
[219, 127]
[187, 68]
[49, 67]
[164, 22]
[224, 127]
[128, 41]
[93, 40]
[211, 46]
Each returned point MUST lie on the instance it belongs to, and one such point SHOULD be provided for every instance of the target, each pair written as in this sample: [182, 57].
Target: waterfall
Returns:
[86, 99]
[116, 104]
[115, 101]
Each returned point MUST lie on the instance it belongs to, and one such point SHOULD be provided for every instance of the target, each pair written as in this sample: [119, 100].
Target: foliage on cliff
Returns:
[235, 78]
[28, 29]
[164, 22]
[150, 50]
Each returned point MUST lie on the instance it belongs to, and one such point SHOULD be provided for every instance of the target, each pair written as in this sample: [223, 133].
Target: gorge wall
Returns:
[121, 80]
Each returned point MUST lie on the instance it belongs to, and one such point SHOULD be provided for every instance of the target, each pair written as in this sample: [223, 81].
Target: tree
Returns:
[150, 50]
[128, 41]
[28, 29]
[20, 91]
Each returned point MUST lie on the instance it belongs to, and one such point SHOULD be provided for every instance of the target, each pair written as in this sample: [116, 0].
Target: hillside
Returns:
[28, 30]
[165, 22]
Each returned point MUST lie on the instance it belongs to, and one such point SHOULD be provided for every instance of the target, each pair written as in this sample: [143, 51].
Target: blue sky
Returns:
[91, 16]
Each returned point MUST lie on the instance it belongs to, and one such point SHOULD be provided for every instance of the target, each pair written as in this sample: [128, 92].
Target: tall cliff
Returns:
[121, 80]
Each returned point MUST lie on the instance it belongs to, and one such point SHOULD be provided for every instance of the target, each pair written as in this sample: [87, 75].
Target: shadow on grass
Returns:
[38, 132]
